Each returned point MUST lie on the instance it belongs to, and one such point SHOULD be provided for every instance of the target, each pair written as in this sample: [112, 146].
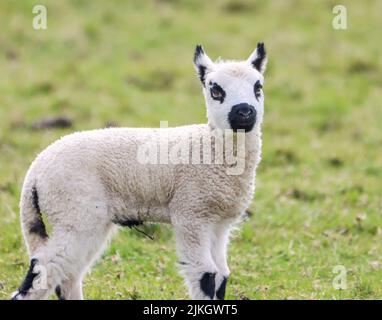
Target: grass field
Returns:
[318, 202]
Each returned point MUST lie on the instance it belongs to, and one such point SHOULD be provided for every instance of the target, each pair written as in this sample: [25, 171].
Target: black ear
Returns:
[203, 63]
[258, 58]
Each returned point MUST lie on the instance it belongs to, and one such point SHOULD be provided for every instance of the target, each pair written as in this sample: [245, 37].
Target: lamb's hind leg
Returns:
[70, 289]
[60, 265]
[94, 241]
[193, 239]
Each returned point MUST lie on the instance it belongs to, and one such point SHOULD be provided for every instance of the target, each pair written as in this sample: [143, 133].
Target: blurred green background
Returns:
[129, 63]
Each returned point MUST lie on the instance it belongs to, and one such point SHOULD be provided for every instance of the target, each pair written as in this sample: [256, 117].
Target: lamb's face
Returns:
[233, 90]
[234, 96]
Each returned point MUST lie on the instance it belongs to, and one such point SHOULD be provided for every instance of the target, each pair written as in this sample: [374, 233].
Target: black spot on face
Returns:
[217, 92]
[257, 89]
[242, 117]
[207, 284]
[220, 293]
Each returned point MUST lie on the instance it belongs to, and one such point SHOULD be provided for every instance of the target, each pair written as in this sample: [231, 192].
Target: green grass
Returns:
[318, 201]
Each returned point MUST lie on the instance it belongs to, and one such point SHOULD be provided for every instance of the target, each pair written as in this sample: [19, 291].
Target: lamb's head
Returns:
[233, 89]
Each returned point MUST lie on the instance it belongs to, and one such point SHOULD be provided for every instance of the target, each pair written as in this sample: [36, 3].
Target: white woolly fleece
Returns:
[87, 182]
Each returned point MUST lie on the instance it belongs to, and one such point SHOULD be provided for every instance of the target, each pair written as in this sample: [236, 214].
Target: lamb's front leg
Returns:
[220, 240]
[193, 239]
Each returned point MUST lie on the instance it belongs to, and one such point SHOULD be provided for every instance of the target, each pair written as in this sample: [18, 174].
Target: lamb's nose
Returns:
[245, 111]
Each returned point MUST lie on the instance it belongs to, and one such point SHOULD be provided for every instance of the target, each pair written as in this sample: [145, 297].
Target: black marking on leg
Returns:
[207, 284]
[15, 296]
[182, 263]
[59, 293]
[28, 281]
[37, 226]
[35, 200]
[220, 293]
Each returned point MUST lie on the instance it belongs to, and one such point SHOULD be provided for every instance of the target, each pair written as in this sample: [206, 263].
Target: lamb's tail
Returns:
[33, 226]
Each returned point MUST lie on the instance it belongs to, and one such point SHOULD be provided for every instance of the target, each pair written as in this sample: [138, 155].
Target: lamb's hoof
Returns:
[15, 296]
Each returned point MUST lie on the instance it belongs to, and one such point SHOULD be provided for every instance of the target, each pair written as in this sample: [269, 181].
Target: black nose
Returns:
[242, 116]
[245, 111]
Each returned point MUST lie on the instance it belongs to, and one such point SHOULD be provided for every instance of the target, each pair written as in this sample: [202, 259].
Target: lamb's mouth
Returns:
[241, 124]
[246, 126]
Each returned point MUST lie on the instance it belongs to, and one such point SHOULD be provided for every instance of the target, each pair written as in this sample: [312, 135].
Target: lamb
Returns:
[88, 183]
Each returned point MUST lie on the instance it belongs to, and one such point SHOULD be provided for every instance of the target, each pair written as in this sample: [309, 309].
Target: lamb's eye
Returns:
[257, 89]
[216, 93]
